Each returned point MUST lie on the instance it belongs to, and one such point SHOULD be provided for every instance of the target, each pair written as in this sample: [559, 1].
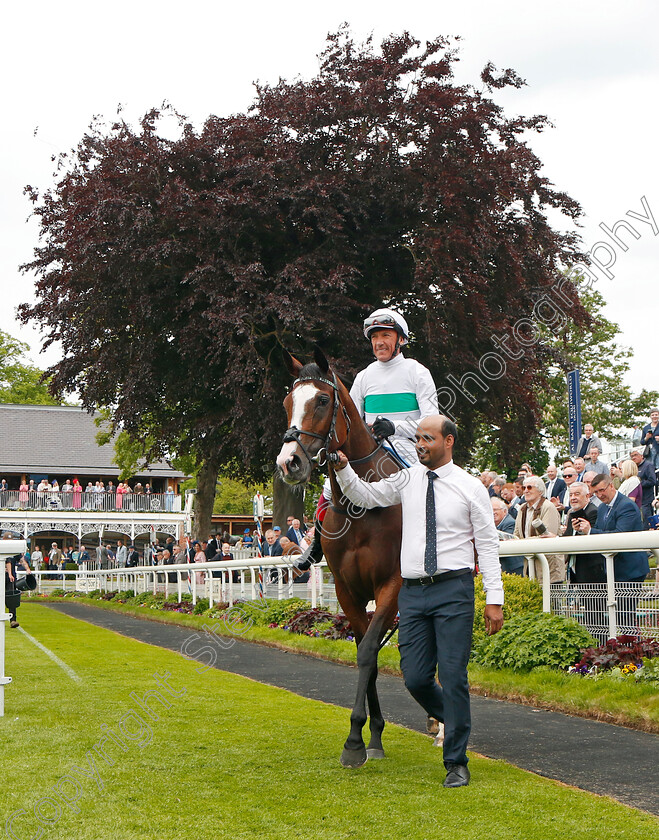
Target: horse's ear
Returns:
[320, 359]
[292, 364]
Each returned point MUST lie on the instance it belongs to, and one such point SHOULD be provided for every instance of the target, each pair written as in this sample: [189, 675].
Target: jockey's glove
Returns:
[383, 428]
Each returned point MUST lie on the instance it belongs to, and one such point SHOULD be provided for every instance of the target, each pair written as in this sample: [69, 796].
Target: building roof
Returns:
[57, 439]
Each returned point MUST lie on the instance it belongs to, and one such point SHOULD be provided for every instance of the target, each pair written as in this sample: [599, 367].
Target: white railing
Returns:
[245, 580]
[15, 500]
[272, 577]
[620, 599]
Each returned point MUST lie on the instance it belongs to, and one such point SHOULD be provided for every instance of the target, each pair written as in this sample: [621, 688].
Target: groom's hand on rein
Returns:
[342, 462]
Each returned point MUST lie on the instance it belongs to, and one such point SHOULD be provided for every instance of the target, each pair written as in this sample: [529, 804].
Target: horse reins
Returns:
[293, 433]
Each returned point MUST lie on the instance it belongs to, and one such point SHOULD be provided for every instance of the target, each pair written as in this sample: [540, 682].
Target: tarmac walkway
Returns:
[598, 757]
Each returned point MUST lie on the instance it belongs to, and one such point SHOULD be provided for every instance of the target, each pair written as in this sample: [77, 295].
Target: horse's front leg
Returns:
[380, 624]
[354, 750]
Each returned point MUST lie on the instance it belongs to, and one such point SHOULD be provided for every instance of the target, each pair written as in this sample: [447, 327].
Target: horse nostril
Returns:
[293, 464]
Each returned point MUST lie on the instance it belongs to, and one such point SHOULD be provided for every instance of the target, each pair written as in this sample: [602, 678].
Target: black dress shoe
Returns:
[457, 775]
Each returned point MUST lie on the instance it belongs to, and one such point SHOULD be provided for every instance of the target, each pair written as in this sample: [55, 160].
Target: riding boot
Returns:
[312, 554]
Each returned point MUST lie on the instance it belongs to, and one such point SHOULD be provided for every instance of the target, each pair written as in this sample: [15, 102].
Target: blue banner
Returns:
[574, 409]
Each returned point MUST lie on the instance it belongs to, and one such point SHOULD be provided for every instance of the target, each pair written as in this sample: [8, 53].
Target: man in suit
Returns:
[295, 532]
[584, 568]
[502, 519]
[272, 546]
[83, 558]
[213, 544]
[555, 485]
[505, 524]
[588, 568]
[518, 499]
[436, 602]
[102, 557]
[618, 514]
[562, 502]
[580, 467]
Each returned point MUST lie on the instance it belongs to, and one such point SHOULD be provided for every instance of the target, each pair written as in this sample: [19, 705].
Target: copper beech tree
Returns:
[173, 271]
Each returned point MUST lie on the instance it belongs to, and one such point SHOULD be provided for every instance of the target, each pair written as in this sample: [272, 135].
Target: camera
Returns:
[539, 526]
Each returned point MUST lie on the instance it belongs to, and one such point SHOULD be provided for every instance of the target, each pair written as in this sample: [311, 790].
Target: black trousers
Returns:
[434, 635]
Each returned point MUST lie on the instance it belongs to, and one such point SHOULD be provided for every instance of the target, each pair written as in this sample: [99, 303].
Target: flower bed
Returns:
[625, 657]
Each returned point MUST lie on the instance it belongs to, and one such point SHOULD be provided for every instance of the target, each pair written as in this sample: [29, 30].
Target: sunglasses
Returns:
[380, 321]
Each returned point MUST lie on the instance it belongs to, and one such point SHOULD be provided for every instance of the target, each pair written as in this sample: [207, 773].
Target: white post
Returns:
[314, 588]
[611, 596]
[546, 582]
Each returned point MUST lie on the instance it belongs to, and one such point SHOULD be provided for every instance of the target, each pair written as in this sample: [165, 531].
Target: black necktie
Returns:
[430, 559]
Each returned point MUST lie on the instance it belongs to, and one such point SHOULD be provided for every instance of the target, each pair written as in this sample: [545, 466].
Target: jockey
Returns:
[392, 394]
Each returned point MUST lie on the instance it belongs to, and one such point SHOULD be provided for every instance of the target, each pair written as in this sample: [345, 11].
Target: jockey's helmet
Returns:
[386, 319]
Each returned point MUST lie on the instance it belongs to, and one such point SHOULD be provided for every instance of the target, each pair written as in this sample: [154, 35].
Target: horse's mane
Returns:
[312, 371]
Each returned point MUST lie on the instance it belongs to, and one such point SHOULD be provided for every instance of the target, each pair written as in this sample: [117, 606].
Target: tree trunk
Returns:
[203, 505]
[287, 501]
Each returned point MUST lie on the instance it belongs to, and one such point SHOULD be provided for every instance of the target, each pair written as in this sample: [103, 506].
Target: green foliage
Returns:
[265, 612]
[129, 451]
[536, 639]
[521, 597]
[201, 606]
[235, 496]
[649, 672]
[20, 382]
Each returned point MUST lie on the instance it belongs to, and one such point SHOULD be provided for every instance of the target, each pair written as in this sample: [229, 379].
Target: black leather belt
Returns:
[428, 581]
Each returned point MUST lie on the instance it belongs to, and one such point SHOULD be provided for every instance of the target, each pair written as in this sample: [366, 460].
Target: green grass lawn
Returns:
[627, 703]
[231, 758]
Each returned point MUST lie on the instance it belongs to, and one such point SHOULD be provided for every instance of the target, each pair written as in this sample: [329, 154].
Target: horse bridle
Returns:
[293, 434]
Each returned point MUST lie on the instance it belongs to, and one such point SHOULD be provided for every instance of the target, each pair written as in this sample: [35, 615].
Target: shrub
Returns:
[528, 641]
[317, 622]
[178, 606]
[201, 606]
[522, 596]
[649, 672]
[265, 612]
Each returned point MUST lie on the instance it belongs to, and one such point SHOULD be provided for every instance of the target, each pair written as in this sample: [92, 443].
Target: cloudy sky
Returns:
[592, 67]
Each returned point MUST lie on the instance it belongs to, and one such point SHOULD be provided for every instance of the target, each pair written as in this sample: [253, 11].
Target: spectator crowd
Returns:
[71, 495]
[582, 495]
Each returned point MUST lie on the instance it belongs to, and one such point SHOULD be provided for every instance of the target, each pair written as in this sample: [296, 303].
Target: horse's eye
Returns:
[323, 399]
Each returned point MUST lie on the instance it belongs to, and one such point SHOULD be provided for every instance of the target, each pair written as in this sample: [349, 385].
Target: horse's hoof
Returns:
[373, 753]
[439, 738]
[353, 758]
[432, 726]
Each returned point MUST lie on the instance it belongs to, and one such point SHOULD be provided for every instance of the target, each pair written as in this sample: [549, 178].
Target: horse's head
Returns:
[312, 410]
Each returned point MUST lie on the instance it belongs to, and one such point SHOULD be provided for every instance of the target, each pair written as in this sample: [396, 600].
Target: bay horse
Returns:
[362, 547]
